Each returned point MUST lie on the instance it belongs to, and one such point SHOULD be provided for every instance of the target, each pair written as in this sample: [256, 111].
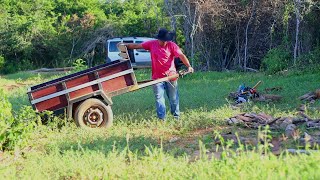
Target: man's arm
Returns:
[133, 46]
[186, 62]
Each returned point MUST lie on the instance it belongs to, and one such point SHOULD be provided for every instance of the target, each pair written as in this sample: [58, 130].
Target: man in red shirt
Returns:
[163, 51]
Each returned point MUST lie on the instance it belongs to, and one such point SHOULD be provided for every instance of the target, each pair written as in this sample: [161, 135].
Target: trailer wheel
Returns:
[93, 113]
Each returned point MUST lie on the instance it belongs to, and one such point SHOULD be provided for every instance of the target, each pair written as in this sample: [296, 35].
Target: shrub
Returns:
[7, 67]
[277, 59]
[79, 65]
[15, 130]
[310, 59]
[2, 61]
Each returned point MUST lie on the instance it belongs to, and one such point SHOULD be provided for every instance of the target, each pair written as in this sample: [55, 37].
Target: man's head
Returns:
[164, 36]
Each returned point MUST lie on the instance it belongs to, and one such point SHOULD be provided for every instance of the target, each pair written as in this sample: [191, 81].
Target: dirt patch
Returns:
[249, 138]
[11, 87]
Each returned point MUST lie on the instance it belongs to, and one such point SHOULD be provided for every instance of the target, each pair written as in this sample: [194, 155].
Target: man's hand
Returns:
[190, 69]
[186, 62]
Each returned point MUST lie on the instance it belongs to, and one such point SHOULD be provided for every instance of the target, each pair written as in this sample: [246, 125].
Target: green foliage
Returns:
[79, 65]
[135, 18]
[2, 62]
[277, 59]
[52, 33]
[138, 145]
[10, 67]
[310, 59]
[15, 130]
[5, 107]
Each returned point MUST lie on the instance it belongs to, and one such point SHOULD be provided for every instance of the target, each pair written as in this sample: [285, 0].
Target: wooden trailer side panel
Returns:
[47, 91]
[82, 80]
[52, 104]
[116, 83]
[107, 79]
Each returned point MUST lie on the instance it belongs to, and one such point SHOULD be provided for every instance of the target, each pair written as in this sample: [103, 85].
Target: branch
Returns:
[251, 69]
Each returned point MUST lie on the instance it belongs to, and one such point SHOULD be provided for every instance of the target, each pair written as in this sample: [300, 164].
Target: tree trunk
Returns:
[192, 50]
[238, 47]
[169, 7]
[297, 5]
[72, 49]
[246, 35]
[271, 32]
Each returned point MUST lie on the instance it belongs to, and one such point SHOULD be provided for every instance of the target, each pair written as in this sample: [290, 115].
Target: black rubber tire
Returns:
[82, 109]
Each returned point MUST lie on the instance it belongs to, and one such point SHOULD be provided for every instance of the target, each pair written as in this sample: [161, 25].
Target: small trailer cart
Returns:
[87, 95]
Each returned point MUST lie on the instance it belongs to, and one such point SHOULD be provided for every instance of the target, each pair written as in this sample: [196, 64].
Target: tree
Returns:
[297, 7]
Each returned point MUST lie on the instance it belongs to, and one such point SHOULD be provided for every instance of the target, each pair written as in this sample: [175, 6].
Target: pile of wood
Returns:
[289, 124]
[252, 120]
[309, 140]
[268, 98]
[311, 96]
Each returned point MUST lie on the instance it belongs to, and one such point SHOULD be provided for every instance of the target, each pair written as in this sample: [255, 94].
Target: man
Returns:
[163, 51]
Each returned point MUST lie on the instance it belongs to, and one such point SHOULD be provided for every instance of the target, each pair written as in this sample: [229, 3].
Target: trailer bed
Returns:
[107, 79]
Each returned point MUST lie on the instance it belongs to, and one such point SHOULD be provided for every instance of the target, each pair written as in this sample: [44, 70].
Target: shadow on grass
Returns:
[136, 144]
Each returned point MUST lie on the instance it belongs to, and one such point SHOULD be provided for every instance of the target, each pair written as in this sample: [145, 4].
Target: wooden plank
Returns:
[122, 48]
[145, 81]
[79, 81]
[47, 91]
[113, 70]
[143, 85]
[117, 83]
[84, 91]
[124, 55]
[52, 104]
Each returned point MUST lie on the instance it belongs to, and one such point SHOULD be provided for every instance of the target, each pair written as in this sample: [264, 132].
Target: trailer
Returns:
[87, 95]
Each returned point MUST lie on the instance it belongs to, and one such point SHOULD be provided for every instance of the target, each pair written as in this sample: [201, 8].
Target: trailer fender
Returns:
[99, 95]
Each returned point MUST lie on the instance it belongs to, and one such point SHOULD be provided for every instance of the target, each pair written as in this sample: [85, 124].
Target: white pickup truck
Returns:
[138, 57]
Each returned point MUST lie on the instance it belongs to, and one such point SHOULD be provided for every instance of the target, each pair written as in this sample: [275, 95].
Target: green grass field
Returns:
[138, 146]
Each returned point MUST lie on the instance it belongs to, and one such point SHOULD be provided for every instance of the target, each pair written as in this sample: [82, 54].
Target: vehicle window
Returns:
[113, 46]
[140, 50]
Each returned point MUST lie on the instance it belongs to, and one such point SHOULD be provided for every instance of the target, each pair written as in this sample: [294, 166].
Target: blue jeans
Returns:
[171, 89]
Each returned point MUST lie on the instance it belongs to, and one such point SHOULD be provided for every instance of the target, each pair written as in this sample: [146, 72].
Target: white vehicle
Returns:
[138, 57]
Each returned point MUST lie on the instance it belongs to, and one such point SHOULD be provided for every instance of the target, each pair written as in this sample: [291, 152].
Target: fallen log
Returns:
[273, 89]
[311, 96]
[296, 151]
[273, 121]
[65, 69]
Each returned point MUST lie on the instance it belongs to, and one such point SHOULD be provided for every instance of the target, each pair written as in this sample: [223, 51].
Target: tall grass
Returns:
[85, 163]
[138, 147]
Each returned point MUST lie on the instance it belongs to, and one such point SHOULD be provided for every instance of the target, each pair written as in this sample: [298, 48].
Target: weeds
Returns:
[137, 146]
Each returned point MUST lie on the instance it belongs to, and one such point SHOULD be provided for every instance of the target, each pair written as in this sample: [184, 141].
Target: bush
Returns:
[79, 65]
[8, 67]
[310, 59]
[277, 59]
[15, 130]
[1, 62]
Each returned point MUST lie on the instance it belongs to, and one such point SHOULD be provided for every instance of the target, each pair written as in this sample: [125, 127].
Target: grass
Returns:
[138, 145]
